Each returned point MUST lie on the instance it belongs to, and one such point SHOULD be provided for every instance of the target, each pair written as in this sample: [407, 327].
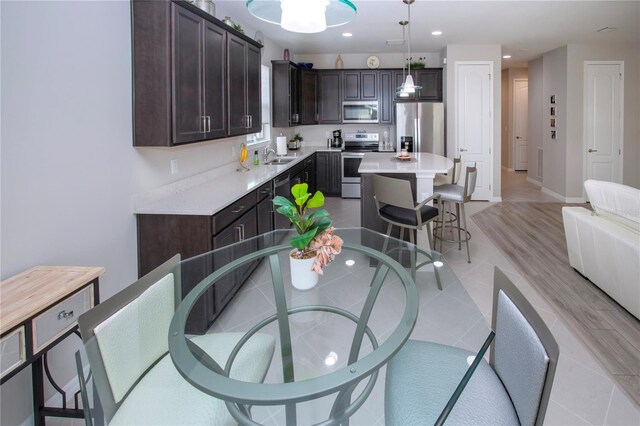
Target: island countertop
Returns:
[420, 163]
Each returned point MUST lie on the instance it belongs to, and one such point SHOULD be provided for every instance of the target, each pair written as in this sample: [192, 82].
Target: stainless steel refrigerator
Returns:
[421, 126]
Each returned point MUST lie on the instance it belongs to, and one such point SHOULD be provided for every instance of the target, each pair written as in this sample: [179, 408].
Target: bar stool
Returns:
[396, 206]
[452, 177]
[450, 193]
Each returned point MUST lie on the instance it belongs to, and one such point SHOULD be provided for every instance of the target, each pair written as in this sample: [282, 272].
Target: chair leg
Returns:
[459, 226]
[467, 236]
[442, 225]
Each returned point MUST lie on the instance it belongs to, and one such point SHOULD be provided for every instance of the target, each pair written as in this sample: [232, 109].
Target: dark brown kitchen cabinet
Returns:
[181, 92]
[387, 92]
[308, 96]
[329, 97]
[285, 94]
[430, 80]
[360, 85]
[329, 173]
[243, 77]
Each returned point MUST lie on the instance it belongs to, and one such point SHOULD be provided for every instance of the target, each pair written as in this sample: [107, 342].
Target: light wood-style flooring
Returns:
[531, 236]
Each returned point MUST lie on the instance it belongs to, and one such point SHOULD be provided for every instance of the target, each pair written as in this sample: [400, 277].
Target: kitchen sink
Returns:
[278, 161]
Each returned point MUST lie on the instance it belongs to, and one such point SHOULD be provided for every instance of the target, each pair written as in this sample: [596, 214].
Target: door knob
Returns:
[592, 150]
[518, 137]
[463, 150]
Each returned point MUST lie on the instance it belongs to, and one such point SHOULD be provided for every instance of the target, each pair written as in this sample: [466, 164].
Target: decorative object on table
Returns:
[307, 65]
[315, 246]
[286, 55]
[259, 37]
[256, 158]
[373, 62]
[339, 63]
[553, 99]
[553, 134]
[227, 20]
[244, 153]
[311, 16]
[407, 87]
[296, 141]
[206, 5]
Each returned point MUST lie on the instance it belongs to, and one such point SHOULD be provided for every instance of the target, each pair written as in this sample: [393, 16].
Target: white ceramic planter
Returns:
[302, 277]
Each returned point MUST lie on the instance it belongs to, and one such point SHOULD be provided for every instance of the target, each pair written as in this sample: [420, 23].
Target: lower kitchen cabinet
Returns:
[329, 173]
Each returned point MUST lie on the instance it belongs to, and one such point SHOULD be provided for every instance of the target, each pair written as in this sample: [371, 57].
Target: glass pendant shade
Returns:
[303, 16]
[408, 85]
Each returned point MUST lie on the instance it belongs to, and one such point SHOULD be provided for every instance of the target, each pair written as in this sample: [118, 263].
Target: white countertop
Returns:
[421, 162]
[208, 193]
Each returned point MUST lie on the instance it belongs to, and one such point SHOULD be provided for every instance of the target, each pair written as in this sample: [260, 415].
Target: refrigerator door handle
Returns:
[416, 135]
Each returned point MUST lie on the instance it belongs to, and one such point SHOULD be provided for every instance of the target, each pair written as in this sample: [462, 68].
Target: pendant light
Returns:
[408, 87]
[401, 92]
[303, 16]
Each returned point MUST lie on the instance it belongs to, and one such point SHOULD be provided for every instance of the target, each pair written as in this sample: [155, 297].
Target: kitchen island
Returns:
[420, 171]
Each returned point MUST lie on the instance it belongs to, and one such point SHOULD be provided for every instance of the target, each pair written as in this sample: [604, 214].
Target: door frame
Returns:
[513, 130]
[584, 121]
[492, 147]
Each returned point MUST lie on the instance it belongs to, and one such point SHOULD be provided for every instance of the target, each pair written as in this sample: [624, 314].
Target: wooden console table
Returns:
[38, 309]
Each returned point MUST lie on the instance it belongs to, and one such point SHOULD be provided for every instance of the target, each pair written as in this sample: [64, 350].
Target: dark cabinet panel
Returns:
[254, 89]
[308, 96]
[387, 92]
[237, 85]
[430, 79]
[214, 91]
[360, 85]
[264, 211]
[285, 99]
[330, 97]
[328, 173]
[189, 121]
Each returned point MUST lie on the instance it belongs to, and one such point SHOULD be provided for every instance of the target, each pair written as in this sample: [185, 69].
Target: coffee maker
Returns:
[337, 139]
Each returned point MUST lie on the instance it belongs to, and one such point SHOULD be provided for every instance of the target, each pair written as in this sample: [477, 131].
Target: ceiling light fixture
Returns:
[506, 56]
[347, 35]
[436, 32]
[408, 87]
[303, 16]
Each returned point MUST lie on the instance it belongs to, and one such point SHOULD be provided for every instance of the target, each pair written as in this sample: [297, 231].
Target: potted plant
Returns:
[296, 141]
[315, 246]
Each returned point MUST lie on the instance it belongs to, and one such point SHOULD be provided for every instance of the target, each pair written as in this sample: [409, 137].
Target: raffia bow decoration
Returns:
[327, 246]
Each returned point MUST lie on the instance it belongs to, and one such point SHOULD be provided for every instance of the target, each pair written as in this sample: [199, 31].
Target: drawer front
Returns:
[12, 351]
[230, 214]
[265, 191]
[60, 318]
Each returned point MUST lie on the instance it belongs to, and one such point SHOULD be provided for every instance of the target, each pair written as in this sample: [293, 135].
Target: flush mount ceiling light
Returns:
[303, 16]
[408, 87]
[347, 35]
[506, 56]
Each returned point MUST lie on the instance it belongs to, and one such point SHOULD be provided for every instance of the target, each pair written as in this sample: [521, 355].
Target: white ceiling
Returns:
[525, 29]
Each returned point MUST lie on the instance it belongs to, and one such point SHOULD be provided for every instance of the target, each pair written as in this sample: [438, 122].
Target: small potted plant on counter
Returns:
[295, 142]
[315, 246]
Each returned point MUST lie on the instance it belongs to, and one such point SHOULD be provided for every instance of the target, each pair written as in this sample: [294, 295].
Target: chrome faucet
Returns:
[268, 151]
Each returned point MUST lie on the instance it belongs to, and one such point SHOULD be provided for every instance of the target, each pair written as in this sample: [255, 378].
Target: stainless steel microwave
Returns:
[360, 112]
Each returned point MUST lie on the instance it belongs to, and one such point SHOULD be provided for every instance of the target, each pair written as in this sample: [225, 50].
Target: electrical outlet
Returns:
[327, 135]
[174, 166]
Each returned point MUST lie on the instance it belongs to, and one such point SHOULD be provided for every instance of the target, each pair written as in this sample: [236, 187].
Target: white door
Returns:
[521, 124]
[474, 123]
[603, 120]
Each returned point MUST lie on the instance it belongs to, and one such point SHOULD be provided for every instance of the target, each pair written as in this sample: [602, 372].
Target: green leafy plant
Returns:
[238, 27]
[308, 225]
[297, 137]
[417, 64]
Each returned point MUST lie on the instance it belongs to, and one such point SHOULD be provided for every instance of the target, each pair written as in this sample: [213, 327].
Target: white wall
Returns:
[68, 167]
[536, 112]
[577, 54]
[476, 53]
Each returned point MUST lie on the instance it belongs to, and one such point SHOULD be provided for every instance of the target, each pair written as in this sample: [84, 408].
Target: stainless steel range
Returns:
[355, 146]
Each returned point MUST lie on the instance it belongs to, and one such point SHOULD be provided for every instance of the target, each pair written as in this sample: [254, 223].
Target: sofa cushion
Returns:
[616, 202]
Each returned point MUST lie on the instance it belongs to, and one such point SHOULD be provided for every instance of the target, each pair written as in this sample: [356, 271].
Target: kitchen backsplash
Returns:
[317, 135]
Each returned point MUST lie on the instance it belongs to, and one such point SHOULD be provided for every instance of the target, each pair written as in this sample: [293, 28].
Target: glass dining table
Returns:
[333, 341]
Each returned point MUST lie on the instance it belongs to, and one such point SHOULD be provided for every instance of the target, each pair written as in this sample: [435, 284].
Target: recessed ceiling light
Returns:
[506, 56]
[523, 49]
[347, 34]
[436, 32]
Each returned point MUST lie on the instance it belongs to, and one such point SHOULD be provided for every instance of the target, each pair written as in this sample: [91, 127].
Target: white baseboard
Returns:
[533, 181]
[568, 200]
[496, 199]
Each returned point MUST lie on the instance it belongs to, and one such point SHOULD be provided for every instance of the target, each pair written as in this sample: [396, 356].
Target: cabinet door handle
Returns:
[592, 150]
[204, 123]
[239, 233]
[238, 210]
[208, 123]
[242, 232]
[251, 121]
[63, 315]
[306, 177]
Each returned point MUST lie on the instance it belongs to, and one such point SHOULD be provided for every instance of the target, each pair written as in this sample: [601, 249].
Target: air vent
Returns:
[394, 42]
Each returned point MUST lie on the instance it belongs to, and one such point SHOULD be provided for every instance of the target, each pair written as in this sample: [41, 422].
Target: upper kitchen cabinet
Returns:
[360, 85]
[430, 79]
[243, 84]
[387, 92]
[285, 94]
[294, 94]
[181, 88]
[329, 97]
[309, 96]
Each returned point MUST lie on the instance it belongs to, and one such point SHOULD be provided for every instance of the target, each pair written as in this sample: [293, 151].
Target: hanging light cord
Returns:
[409, 23]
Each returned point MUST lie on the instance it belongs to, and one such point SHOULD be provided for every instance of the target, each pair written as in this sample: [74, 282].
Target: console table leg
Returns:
[38, 392]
